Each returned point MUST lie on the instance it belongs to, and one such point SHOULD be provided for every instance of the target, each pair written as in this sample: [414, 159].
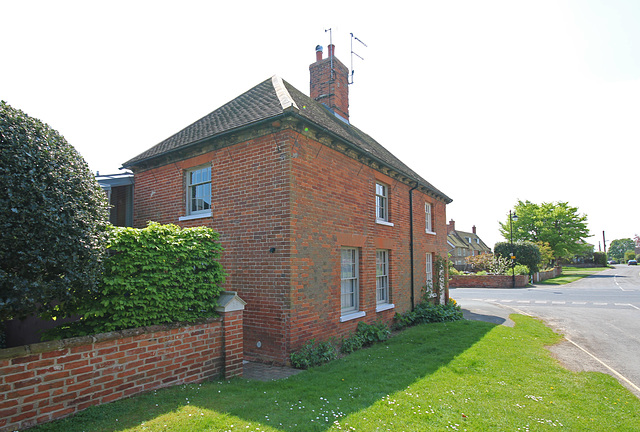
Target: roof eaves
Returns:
[134, 162]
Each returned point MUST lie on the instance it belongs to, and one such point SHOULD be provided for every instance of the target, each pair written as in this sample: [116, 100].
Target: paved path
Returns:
[264, 372]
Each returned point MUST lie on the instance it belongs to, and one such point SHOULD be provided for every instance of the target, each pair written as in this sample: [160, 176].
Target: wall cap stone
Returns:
[229, 301]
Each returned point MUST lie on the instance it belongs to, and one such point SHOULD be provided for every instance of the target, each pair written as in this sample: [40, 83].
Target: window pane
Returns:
[349, 279]
[382, 276]
[199, 190]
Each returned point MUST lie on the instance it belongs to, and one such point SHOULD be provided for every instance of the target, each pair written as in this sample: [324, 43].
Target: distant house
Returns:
[322, 226]
[119, 190]
[464, 244]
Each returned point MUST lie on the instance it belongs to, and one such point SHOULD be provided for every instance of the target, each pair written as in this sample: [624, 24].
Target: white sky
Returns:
[490, 101]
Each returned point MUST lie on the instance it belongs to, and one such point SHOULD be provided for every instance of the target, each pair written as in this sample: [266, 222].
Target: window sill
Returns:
[195, 216]
[352, 316]
[383, 222]
[430, 232]
[385, 306]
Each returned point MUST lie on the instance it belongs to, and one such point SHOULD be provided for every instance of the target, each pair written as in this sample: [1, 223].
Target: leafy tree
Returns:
[629, 255]
[546, 254]
[53, 216]
[558, 224]
[526, 253]
[618, 248]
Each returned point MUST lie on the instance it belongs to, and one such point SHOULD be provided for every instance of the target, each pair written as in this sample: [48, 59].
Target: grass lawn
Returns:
[572, 274]
[464, 375]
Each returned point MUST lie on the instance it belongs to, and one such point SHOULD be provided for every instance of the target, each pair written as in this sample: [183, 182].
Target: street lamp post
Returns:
[512, 217]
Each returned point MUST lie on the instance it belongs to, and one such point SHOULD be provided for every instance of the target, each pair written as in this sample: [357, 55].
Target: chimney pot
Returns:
[318, 53]
[332, 50]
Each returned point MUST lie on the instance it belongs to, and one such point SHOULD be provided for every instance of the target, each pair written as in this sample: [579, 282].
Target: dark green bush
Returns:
[156, 275]
[527, 253]
[372, 333]
[365, 335]
[600, 259]
[426, 312]
[53, 216]
[313, 354]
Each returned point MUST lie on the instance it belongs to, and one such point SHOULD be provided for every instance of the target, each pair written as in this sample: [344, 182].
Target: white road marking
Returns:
[615, 372]
[615, 279]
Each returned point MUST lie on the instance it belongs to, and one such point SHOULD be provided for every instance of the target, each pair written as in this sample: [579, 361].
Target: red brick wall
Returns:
[333, 205]
[488, 281]
[250, 210]
[51, 380]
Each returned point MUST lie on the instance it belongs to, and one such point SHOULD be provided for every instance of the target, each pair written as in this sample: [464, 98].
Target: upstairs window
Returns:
[382, 202]
[199, 191]
[428, 218]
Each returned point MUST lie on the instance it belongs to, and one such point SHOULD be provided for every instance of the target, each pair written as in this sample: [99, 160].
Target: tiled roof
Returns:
[270, 99]
[459, 239]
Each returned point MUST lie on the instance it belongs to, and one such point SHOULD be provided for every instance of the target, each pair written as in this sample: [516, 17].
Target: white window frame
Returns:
[191, 185]
[349, 284]
[382, 281]
[428, 220]
[429, 269]
[382, 204]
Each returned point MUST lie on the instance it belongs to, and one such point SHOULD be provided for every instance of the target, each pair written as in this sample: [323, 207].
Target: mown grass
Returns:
[572, 274]
[464, 375]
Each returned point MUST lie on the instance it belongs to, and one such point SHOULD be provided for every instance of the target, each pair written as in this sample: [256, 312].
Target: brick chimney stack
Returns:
[451, 227]
[329, 82]
[473, 229]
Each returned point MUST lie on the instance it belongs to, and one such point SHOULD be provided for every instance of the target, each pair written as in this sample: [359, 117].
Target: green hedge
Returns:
[527, 253]
[600, 259]
[156, 275]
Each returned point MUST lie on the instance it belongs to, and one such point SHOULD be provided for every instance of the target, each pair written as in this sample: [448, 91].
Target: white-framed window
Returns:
[199, 191]
[349, 297]
[382, 202]
[429, 269]
[382, 276]
[428, 220]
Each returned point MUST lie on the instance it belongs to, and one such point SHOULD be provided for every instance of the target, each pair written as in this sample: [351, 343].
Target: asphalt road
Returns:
[598, 315]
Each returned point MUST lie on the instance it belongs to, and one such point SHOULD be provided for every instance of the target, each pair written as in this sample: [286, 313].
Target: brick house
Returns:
[315, 216]
[464, 244]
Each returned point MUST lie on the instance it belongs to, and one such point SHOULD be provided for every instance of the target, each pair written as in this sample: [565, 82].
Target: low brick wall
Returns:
[50, 380]
[488, 281]
[544, 275]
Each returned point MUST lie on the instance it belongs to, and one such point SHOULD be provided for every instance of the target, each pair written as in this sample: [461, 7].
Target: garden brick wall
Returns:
[488, 281]
[51, 380]
[284, 202]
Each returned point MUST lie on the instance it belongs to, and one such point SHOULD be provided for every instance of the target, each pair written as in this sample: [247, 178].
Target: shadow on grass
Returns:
[309, 401]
